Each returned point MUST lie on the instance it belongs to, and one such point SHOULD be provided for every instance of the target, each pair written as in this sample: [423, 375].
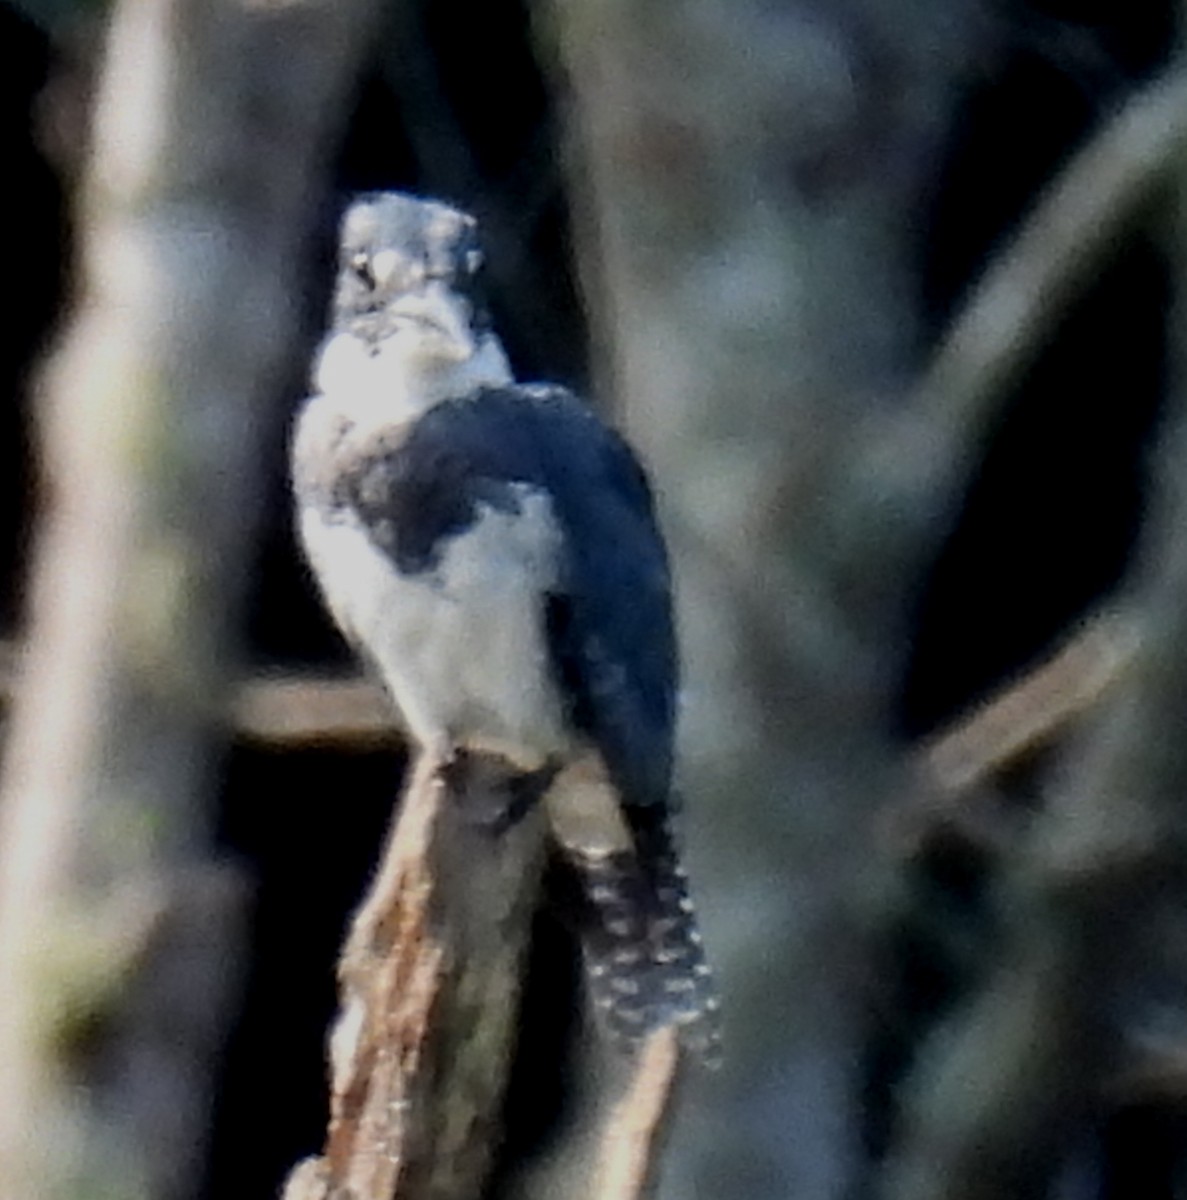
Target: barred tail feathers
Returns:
[642, 948]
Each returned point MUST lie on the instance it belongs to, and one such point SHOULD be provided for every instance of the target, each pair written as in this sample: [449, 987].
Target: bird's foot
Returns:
[493, 792]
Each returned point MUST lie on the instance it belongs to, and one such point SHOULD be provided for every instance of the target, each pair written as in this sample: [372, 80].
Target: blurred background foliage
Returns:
[466, 100]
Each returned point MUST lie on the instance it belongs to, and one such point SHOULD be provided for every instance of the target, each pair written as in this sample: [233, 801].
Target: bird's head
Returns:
[408, 269]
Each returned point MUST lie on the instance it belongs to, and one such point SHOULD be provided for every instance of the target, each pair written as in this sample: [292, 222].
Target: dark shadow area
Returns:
[1048, 525]
[35, 260]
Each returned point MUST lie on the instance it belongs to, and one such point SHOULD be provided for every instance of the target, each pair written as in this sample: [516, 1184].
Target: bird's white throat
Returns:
[399, 378]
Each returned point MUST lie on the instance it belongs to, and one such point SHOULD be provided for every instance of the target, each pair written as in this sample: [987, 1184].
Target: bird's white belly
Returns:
[461, 648]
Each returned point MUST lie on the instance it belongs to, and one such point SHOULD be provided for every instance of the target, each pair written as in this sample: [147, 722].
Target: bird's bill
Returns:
[441, 315]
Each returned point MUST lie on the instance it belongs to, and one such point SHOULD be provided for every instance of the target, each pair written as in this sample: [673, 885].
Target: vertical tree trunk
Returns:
[116, 931]
[750, 180]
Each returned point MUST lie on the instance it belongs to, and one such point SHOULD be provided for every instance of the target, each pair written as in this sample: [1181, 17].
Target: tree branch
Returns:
[1031, 713]
[1056, 252]
[430, 981]
[287, 712]
[1092, 904]
[960, 768]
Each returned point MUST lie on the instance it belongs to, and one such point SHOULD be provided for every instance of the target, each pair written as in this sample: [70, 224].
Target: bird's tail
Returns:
[642, 948]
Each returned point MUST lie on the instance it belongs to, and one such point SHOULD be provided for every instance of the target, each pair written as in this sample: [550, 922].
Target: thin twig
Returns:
[1030, 714]
[289, 712]
[916, 461]
[1054, 254]
[634, 1133]
[960, 768]
[281, 710]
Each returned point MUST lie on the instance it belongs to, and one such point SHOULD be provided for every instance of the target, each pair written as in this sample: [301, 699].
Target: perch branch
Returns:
[430, 982]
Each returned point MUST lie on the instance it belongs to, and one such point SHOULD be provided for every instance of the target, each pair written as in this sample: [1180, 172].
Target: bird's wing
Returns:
[608, 618]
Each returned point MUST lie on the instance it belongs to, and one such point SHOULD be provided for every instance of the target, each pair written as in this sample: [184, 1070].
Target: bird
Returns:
[490, 549]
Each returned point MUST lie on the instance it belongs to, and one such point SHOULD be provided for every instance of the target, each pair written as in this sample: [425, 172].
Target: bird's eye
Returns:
[360, 265]
[435, 264]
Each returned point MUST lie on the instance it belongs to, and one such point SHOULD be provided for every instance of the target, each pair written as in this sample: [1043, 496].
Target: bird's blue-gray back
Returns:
[608, 622]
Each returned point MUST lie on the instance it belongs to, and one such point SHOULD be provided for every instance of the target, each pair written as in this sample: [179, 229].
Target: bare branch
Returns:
[287, 711]
[281, 711]
[1092, 902]
[1059, 249]
[955, 790]
[1031, 713]
[284, 712]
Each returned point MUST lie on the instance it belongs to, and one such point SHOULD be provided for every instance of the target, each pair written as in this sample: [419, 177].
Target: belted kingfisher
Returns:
[490, 549]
